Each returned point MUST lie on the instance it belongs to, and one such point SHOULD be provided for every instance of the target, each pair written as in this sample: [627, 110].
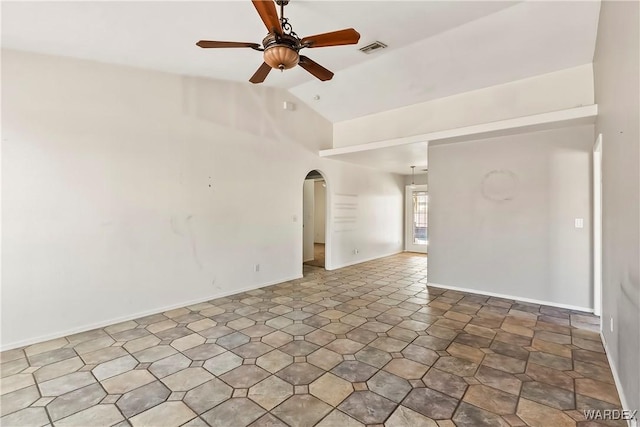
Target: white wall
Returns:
[319, 211]
[616, 68]
[126, 191]
[366, 215]
[541, 94]
[308, 221]
[501, 215]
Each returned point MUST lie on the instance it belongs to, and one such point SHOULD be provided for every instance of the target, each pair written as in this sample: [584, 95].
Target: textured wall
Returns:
[128, 191]
[501, 215]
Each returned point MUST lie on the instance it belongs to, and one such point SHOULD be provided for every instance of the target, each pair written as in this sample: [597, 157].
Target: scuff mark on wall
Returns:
[500, 185]
[192, 240]
[173, 221]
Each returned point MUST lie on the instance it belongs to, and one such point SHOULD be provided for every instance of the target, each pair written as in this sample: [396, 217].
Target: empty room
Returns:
[320, 213]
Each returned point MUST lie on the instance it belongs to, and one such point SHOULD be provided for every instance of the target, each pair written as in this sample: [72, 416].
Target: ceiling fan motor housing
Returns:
[281, 51]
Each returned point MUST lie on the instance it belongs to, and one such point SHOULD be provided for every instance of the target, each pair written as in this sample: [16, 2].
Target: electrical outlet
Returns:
[355, 252]
[611, 323]
[256, 268]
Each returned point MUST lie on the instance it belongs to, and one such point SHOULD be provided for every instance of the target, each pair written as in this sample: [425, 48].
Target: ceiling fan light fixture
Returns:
[281, 57]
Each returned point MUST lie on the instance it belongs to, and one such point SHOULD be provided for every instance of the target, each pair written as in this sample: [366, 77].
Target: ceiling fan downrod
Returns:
[286, 26]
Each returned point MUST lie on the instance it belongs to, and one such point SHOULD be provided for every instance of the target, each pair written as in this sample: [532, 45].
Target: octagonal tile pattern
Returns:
[366, 345]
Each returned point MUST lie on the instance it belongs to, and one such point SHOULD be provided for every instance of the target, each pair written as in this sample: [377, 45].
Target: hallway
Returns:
[318, 256]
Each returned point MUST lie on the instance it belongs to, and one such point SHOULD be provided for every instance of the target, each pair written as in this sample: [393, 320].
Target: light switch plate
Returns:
[579, 223]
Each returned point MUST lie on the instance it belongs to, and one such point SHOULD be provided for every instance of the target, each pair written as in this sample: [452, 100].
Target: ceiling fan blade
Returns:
[267, 11]
[335, 38]
[314, 68]
[261, 73]
[215, 44]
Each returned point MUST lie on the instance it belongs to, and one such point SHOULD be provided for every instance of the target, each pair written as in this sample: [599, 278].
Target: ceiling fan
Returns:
[282, 45]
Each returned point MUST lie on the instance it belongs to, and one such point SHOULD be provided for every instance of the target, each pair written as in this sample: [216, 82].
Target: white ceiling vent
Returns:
[370, 48]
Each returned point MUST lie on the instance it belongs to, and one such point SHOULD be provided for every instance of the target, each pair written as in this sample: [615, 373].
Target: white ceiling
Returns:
[436, 48]
[520, 41]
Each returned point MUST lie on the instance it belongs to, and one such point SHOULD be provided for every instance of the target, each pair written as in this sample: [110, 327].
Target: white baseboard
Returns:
[513, 297]
[360, 261]
[113, 321]
[616, 379]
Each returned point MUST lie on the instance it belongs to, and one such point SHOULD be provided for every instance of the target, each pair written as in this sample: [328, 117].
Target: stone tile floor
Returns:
[364, 345]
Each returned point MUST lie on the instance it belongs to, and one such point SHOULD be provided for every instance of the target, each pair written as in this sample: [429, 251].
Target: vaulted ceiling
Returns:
[436, 48]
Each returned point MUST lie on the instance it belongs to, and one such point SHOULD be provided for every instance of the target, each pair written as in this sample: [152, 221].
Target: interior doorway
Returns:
[416, 220]
[314, 220]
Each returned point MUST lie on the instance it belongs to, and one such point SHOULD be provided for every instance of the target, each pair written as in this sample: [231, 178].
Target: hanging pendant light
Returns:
[413, 174]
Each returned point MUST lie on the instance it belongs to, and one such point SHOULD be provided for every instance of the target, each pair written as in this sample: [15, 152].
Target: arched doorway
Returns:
[314, 220]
